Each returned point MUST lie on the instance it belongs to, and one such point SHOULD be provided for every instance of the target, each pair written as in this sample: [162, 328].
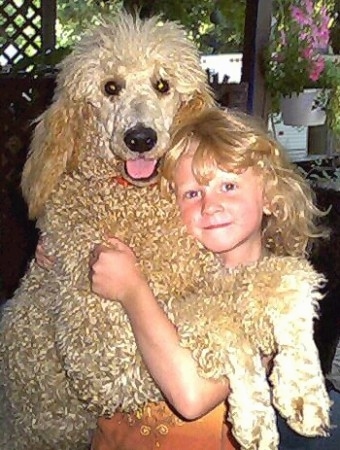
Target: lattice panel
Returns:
[21, 30]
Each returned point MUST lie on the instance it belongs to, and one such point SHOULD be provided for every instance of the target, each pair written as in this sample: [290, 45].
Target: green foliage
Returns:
[333, 114]
[226, 35]
[74, 16]
[213, 25]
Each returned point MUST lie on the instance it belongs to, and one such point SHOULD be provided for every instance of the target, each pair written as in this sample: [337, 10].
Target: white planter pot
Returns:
[303, 109]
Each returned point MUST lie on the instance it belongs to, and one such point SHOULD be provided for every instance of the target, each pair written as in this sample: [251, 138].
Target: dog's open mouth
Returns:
[141, 169]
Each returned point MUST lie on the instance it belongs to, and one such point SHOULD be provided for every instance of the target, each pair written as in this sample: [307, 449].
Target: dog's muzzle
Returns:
[140, 139]
[141, 168]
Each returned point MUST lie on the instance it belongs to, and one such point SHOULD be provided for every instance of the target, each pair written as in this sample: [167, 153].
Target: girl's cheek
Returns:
[186, 215]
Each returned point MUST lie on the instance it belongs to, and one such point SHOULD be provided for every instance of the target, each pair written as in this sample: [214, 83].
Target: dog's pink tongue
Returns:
[140, 168]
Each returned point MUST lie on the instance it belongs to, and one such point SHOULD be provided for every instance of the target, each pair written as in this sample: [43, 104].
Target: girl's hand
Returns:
[114, 272]
[43, 260]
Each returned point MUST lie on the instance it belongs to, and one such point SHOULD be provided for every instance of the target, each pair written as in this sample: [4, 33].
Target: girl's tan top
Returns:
[159, 428]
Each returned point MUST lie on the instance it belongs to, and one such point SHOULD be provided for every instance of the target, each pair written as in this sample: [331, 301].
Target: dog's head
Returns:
[117, 95]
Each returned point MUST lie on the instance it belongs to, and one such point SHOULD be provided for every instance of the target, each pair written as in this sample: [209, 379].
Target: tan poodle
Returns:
[68, 356]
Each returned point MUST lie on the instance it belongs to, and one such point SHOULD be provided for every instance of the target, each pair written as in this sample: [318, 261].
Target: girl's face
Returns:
[225, 215]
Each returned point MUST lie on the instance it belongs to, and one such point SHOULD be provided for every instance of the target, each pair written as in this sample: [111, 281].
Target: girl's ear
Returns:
[57, 142]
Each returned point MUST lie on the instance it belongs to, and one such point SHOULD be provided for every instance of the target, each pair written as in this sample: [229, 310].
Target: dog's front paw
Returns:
[305, 407]
[310, 415]
[255, 428]
[299, 391]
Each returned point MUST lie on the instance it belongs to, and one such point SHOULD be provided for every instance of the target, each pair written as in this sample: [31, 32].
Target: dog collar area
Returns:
[125, 183]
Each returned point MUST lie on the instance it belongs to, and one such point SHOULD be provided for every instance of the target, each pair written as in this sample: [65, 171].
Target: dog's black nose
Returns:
[140, 139]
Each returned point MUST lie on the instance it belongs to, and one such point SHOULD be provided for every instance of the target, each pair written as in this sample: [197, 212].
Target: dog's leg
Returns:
[251, 414]
[299, 391]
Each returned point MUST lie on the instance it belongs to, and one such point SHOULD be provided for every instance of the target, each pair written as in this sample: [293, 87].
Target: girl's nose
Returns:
[211, 205]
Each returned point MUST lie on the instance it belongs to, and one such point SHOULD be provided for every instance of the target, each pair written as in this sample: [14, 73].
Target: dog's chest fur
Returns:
[80, 212]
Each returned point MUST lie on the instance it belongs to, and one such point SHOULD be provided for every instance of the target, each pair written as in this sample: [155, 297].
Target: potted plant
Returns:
[296, 63]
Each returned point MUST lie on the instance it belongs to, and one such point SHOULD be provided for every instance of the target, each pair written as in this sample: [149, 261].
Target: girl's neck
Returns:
[237, 258]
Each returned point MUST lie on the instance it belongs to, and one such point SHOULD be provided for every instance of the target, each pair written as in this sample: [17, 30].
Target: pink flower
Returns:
[299, 16]
[307, 52]
[298, 39]
[318, 66]
[313, 34]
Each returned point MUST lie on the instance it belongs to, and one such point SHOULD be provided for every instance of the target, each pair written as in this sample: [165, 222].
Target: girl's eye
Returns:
[189, 195]
[226, 187]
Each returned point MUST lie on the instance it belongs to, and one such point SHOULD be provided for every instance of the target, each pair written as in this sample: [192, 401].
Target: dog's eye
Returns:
[112, 88]
[162, 86]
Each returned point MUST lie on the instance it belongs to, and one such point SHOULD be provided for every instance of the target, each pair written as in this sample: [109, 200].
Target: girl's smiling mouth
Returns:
[217, 225]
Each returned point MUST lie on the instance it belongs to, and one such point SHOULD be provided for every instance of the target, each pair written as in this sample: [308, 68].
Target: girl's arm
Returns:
[115, 275]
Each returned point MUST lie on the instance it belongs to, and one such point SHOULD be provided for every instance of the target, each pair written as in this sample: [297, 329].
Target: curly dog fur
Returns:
[67, 355]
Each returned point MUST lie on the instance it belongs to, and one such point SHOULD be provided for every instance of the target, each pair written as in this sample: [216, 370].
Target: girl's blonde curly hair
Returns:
[235, 141]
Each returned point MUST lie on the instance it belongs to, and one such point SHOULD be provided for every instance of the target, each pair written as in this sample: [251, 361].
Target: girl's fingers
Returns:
[113, 245]
[97, 250]
[116, 243]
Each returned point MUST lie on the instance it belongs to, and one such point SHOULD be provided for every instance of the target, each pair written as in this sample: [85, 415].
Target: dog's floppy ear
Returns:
[55, 148]
[200, 100]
